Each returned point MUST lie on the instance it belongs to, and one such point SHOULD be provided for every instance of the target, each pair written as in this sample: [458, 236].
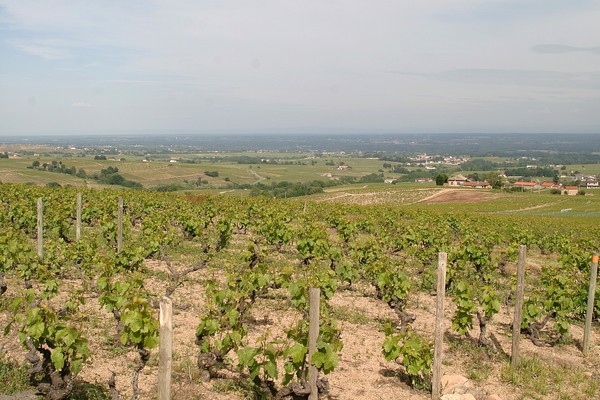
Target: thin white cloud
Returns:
[45, 52]
[233, 63]
[82, 104]
[525, 78]
[562, 49]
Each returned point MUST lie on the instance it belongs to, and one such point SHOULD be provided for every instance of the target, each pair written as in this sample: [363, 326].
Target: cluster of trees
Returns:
[479, 164]
[371, 178]
[103, 157]
[59, 167]
[4, 155]
[292, 189]
[287, 189]
[529, 172]
[110, 176]
[491, 177]
[241, 159]
[411, 176]
[441, 179]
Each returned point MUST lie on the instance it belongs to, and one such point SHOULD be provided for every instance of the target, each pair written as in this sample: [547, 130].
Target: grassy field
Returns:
[302, 167]
[586, 169]
[155, 173]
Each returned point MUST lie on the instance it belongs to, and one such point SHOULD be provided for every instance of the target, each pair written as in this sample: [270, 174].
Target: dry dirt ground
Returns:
[380, 197]
[459, 196]
[362, 373]
[405, 197]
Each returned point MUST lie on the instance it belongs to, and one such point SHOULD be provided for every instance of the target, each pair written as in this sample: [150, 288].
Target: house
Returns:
[571, 190]
[389, 180]
[589, 185]
[526, 185]
[343, 166]
[477, 185]
[423, 180]
[550, 185]
[457, 180]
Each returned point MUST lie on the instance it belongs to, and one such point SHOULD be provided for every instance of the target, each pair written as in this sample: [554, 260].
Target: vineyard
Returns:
[80, 304]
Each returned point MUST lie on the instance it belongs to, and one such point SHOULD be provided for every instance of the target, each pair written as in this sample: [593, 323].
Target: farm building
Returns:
[571, 190]
[526, 185]
[550, 185]
[457, 180]
[477, 185]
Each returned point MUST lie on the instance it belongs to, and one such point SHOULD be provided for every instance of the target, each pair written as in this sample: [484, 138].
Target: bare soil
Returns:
[459, 196]
[362, 373]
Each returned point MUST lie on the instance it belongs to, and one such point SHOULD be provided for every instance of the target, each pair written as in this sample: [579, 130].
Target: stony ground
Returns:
[362, 373]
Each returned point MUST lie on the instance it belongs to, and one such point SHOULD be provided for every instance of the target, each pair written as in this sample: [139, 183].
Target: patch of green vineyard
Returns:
[262, 247]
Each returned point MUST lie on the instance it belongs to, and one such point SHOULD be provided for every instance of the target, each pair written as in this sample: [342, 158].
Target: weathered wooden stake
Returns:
[40, 228]
[165, 354]
[590, 305]
[516, 330]
[304, 210]
[78, 222]
[120, 227]
[439, 327]
[313, 335]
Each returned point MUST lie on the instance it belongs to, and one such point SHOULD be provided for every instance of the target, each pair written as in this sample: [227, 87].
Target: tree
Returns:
[474, 176]
[555, 179]
[441, 179]
[494, 179]
[35, 164]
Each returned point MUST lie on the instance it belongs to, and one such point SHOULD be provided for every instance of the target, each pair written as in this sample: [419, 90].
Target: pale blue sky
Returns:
[75, 67]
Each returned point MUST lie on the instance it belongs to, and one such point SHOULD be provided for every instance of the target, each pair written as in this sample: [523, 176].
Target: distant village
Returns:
[586, 182]
[508, 182]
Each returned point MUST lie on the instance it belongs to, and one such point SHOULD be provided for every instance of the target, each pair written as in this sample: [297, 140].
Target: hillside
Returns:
[238, 271]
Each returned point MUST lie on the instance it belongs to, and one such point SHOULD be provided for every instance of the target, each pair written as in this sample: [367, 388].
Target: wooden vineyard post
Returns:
[40, 228]
[313, 335]
[120, 227]
[516, 330]
[439, 327]
[78, 223]
[590, 305]
[165, 355]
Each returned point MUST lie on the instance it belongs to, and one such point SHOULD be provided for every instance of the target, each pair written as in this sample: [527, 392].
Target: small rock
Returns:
[450, 381]
[466, 396]
[457, 390]
[493, 397]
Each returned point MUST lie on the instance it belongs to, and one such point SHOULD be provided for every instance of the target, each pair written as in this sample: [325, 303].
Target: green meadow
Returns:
[301, 167]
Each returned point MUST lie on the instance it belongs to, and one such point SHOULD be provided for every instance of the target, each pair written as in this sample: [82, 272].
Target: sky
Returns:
[299, 66]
